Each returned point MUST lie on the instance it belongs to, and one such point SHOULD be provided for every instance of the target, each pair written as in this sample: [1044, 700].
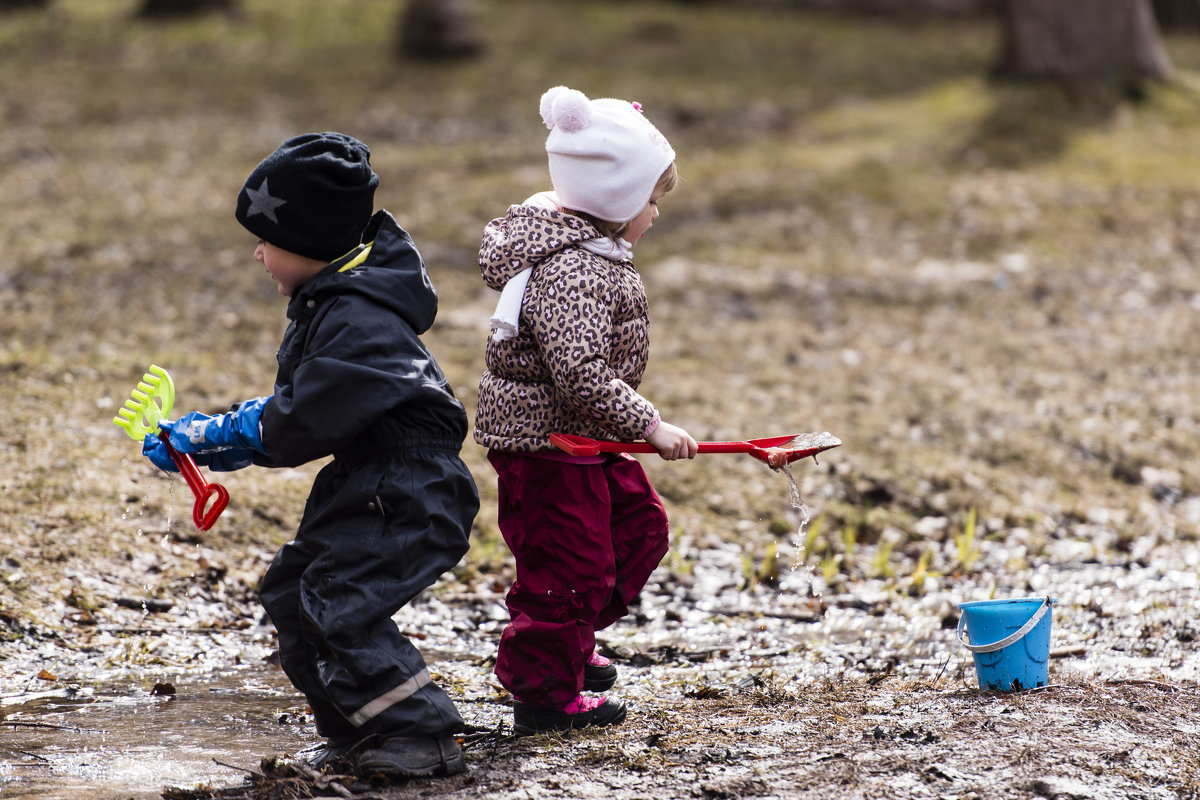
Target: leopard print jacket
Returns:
[581, 350]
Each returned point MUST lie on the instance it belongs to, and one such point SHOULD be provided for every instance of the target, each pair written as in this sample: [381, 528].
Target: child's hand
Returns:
[673, 442]
[154, 449]
[235, 458]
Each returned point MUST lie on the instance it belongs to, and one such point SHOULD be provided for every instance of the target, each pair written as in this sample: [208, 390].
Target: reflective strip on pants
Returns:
[389, 699]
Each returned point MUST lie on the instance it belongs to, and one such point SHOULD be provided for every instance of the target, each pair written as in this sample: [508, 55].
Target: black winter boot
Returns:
[599, 674]
[581, 712]
[414, 757]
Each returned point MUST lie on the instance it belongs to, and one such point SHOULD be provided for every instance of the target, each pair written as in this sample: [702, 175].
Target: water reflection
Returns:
[125, 740]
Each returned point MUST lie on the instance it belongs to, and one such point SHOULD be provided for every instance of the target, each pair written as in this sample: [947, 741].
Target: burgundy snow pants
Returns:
[585, 538]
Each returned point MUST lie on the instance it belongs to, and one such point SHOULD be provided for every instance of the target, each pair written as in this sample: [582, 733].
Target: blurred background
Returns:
[958, 234]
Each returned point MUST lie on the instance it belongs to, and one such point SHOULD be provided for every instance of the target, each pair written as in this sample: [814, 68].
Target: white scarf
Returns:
[508, 309]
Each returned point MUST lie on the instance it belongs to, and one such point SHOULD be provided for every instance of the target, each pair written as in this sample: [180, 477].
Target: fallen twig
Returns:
[150, 605]
[491, 736]
[1142, 682]
[19, 724]
[1047, 687]
[239, 769]
[796, 616]
[1070, 650]
[938, 677]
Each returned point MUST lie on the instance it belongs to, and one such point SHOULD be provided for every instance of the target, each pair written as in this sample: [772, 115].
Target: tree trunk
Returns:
[1081, 39]
[7, 5]
[431, 29]
[1178, 14]
[168, 9]
[894, 8]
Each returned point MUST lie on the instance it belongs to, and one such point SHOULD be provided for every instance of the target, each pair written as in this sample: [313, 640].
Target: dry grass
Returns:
[987, 292]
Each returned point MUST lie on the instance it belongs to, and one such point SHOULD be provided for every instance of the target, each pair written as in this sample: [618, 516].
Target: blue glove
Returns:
[200, 433]
[220, 461]
[154, 449]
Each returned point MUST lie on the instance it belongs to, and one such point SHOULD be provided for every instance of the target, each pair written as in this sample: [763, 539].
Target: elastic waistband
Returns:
[397, 445]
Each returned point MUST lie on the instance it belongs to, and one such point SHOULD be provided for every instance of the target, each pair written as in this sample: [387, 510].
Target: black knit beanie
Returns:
[313, 196]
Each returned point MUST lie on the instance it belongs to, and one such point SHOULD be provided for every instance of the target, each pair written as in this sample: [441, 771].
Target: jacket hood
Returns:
[526, 236]
[392, 275]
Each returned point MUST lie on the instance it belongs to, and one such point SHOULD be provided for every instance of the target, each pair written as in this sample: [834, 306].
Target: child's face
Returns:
[289, 270]
[637, 227]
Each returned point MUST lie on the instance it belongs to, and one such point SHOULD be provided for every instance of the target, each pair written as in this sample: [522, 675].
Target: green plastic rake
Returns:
[150, 402]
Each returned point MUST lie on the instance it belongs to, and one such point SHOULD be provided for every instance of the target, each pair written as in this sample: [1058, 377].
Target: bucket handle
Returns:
[1012, 637]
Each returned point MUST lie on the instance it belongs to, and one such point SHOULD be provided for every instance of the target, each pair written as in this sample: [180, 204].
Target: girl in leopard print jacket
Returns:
[568, 350]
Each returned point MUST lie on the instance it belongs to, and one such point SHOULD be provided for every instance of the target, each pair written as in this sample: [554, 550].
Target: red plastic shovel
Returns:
[776, 451]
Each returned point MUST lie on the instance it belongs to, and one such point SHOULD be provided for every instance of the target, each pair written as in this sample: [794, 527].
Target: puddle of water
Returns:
[121, 740]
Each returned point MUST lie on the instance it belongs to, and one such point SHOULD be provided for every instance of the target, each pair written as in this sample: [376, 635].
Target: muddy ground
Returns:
[732, 693]
[988, 292]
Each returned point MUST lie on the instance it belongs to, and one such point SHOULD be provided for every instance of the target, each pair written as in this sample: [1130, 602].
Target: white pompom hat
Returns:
[605, 156]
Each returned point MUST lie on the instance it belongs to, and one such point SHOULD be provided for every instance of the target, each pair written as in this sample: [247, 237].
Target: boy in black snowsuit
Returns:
[392, 511]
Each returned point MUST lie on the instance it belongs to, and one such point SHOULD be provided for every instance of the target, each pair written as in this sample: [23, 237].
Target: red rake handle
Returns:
[202, 489]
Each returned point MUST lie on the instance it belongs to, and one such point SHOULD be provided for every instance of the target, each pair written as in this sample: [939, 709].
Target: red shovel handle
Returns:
[775, 450]
[202, 489]
[583, 446]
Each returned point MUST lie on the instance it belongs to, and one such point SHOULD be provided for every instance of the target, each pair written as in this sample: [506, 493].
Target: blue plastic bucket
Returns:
[1010, 640]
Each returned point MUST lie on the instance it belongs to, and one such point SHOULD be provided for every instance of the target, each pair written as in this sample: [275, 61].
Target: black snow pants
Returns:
[375, 532]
